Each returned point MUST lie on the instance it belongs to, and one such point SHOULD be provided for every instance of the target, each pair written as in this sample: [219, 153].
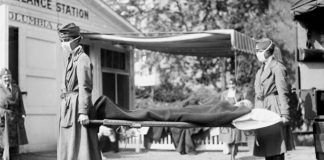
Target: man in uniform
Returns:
[12, 114]
[76, 140]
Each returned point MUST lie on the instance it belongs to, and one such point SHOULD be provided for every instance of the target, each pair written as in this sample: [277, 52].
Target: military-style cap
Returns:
[69, 30]
[4, 71]
[263, 43]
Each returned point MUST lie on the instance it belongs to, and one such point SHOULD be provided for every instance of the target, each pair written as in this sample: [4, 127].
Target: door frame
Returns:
[38, 112]
[4, 36]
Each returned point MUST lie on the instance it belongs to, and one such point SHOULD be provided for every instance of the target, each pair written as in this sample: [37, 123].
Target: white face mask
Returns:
[261, 55]
[67, 45]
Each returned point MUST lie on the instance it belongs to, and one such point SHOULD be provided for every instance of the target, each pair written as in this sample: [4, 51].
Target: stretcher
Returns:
[216, 43]
[139, 124]
[256, 119]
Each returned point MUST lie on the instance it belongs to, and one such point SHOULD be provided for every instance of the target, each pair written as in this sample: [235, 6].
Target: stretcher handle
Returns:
[139, 124]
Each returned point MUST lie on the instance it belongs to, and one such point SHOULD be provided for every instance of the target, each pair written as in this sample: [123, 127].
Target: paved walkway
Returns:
[301, 153]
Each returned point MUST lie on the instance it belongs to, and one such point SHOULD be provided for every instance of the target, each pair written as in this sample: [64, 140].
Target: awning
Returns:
[309, 13]
[215, 43]
[305, 6]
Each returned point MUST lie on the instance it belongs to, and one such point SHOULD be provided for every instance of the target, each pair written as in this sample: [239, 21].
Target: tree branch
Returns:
[182, 16]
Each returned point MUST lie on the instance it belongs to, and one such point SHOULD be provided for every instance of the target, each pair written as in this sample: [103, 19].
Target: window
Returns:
[115, 77]
[108, 85]
[113, 59]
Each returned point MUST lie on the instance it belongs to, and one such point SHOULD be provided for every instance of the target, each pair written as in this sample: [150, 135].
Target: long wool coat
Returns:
[271, 89]
[12, 129]
[75, 141]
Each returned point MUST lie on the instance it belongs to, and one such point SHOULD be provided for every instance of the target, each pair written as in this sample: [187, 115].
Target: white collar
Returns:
[268, 60]
[231, 93]
[74, 51]
[5, 86]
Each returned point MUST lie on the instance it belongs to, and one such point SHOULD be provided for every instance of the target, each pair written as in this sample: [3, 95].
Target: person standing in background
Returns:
[231, 136]
[12, 115]
[76, 140]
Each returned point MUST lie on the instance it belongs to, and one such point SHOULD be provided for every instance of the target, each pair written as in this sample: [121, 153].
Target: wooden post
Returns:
[131, 97]
[235, 65]
[223, 74]
[138, 141]
[152, 93]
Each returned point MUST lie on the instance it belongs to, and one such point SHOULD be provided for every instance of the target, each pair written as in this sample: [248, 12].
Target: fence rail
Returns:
[211, 142]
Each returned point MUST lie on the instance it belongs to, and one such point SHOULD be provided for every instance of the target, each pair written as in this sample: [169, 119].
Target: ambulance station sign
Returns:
[58, 7]
[35, 21]
[51, 5]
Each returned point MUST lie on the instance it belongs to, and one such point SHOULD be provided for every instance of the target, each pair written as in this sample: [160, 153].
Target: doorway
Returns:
[13, 53]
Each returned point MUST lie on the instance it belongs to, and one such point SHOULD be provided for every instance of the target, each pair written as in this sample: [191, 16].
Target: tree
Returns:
[256, 18]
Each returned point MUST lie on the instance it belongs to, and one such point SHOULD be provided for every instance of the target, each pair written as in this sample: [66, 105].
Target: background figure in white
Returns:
[231, 136]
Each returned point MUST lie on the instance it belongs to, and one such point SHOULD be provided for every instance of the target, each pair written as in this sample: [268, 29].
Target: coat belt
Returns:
[262, 97]
[67, 94]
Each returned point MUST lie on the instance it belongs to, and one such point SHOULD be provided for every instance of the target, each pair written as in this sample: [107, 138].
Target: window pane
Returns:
[123, 91]
[108, 85]
[113, 59]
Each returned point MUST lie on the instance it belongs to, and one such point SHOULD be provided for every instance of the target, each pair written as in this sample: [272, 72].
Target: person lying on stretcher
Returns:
[255, 119]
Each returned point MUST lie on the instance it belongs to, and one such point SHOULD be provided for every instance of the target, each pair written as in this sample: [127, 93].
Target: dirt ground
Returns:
[301, 153]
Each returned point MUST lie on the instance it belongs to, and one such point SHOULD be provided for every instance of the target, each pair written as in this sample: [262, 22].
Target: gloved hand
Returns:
[83, 119]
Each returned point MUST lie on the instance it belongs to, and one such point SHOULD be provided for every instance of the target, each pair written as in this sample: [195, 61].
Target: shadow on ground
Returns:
[301, 153]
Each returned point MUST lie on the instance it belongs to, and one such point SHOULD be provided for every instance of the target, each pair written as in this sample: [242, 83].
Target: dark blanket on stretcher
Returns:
[213, 115]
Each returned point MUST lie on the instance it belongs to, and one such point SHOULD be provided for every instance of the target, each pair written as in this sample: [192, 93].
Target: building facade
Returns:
[30, 48]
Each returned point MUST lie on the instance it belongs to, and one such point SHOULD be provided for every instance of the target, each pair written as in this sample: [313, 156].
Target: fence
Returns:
[211, 142]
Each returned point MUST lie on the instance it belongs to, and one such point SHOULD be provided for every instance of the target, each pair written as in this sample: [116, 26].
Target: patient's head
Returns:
[245, 103]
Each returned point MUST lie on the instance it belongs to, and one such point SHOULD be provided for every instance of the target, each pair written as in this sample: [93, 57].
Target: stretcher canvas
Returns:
[220, 114]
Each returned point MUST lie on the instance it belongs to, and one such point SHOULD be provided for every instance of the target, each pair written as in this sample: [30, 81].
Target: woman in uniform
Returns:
[271, 90]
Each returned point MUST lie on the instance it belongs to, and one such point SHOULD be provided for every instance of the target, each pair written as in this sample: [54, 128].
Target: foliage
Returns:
[143, 92]
[164, 93]
[203, 95]
[255, 18]
[180, 74]
[170, 93]
[246, 68]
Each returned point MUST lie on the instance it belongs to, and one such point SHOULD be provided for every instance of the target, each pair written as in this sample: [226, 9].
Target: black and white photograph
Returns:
[161, 80]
